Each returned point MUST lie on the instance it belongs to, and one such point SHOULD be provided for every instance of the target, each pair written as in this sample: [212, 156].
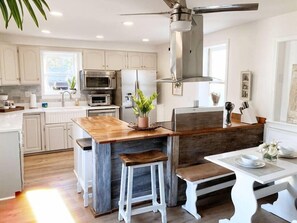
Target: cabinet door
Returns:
[9, 65]
[56, 136]
[149, 61]
[30, 70]
[115, 60]
[32, 133]
[93, 59]
[134, 60]
[69, 135]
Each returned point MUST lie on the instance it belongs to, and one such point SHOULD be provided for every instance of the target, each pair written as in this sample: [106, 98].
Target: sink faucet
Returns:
[63, 100]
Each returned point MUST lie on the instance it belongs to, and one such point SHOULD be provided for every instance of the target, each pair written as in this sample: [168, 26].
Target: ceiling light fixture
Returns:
[99, 37]
[180, 26]
[55, 13]
[128, 23]
[145, 40]
[45, 31]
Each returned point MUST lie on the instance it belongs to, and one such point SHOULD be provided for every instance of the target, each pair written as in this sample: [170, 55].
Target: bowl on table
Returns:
[250, 160]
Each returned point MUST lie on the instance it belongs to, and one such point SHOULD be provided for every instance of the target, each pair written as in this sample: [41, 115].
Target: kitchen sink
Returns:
[63, 114]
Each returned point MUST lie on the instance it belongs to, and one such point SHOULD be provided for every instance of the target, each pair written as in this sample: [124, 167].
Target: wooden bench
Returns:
[86, 145]
[197, 174]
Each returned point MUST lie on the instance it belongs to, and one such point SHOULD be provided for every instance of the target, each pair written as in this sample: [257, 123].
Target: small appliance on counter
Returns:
[99, 99]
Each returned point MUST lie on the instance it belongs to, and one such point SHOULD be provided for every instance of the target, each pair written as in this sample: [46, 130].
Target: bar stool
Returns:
[130, 162]
[85, 156]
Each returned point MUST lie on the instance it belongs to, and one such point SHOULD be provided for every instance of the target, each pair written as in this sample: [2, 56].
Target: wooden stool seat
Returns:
[85, 143]
[150, 156]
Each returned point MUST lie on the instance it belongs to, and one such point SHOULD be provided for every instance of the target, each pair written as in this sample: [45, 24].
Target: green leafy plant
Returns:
[72, 83]
[143, 105]
[15, 9]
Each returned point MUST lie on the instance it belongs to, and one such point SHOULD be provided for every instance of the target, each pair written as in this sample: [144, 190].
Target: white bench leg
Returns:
[85, 181]
[78, 187]
[190, 205]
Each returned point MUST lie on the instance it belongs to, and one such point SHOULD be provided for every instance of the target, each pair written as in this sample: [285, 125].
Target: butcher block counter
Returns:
[105, 129]
[111, 137]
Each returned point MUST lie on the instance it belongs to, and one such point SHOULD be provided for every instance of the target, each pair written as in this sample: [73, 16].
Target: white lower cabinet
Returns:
[58, 136]
[33, 133]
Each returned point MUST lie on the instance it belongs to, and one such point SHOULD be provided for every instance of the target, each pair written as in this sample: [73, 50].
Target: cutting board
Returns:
[17, 108]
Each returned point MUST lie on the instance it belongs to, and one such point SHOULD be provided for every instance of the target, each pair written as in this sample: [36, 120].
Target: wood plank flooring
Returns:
[55, 171]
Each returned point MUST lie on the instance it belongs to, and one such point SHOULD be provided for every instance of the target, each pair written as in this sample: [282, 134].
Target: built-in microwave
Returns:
[99, 99]
[97, 79]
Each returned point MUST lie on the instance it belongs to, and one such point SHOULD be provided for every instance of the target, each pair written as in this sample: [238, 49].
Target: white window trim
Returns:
[79, 65]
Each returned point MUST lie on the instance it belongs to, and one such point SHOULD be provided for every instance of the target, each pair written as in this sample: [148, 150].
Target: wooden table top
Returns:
[106, 129]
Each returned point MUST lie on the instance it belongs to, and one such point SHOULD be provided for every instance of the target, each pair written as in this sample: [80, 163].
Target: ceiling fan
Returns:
[181, 16]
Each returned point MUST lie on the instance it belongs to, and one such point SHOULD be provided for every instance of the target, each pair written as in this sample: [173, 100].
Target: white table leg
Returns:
[284, 206]
[244, 200]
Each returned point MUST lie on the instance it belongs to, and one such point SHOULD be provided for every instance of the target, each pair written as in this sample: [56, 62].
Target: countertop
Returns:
[13, 121]
[104, 129]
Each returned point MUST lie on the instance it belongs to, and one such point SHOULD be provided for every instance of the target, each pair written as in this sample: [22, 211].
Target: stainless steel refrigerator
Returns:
[127, 83]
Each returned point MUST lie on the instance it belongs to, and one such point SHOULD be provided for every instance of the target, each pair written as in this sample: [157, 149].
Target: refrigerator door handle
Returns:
[136, 86]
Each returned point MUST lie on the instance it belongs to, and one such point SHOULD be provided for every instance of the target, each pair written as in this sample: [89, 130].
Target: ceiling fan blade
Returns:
[146, 13]
[226, 8]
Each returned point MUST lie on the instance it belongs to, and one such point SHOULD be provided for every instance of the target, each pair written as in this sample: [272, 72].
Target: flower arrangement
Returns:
[269, 150]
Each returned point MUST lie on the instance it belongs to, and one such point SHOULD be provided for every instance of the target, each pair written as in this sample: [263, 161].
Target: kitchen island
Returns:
[110, 137]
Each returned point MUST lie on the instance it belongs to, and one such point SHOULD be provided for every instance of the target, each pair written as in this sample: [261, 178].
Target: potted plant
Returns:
[142, 107]
[72, 83]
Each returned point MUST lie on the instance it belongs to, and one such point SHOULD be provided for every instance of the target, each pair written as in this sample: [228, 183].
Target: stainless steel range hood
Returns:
[186, 54]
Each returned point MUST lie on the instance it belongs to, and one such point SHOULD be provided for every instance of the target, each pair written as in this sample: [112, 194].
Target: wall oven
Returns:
[97, 79]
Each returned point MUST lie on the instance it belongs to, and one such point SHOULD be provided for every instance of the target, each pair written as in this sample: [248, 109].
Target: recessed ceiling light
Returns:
[45, 31]
[99, 37]
[145, 40]
[128, 23]
[55, 13]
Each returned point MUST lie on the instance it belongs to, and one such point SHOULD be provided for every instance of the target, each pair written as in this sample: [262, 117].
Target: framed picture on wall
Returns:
[245, 85]
[177, 88]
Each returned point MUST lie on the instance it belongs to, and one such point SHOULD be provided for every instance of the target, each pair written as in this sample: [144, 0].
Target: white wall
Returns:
[251, 47]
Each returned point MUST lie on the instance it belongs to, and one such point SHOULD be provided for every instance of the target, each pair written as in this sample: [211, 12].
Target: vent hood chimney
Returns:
[186, 54]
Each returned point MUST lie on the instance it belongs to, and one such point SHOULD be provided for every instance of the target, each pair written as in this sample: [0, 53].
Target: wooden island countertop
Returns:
[107, 129]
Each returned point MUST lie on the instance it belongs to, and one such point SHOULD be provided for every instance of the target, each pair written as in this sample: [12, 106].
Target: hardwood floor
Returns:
[55, 172]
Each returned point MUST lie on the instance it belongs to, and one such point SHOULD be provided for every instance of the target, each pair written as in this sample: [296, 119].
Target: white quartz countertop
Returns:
[13, 121]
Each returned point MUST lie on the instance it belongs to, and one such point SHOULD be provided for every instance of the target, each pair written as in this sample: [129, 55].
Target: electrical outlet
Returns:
[27, 94]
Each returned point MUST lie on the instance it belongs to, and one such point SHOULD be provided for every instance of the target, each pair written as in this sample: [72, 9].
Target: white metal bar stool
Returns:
[130, 162]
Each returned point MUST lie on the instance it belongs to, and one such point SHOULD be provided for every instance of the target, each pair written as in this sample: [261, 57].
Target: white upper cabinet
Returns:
[9, 65]
[115, 60]
[142, 61]
[93, 59]
[29, 58]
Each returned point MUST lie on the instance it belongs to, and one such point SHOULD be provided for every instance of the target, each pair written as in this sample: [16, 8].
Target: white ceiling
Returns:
[83, 20]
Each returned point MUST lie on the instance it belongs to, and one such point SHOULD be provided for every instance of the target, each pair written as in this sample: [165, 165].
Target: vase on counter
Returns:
[143, 122]
[269, 151]
[215, 97]
[229, 106]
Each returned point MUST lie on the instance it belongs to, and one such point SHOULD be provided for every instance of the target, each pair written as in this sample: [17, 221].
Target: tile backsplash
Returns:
[18, 93]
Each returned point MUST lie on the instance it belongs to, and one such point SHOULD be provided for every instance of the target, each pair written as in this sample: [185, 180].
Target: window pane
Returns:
[58, 68]
[217, 62]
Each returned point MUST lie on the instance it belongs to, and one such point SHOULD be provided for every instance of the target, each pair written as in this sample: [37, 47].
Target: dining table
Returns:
[279, 176]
